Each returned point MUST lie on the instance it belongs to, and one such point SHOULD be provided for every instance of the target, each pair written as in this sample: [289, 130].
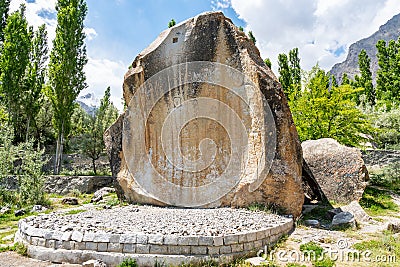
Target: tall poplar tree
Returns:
[364, 80]
[388, 80]
[4, 7]
[290, 73]
[91, 142]
[35, 78]
[13, 64]
[67, 60]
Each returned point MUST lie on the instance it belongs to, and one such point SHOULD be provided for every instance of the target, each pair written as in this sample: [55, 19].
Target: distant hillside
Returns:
[88, 102]
[389, 31]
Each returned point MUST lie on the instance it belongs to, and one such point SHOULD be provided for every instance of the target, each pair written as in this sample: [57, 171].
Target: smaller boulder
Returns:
[70, 201]
[339, 170]
[358, 212]
[343, 220]
[20, 212]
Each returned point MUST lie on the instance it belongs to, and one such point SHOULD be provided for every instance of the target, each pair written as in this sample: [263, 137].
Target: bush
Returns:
[31, 180]
[388, 177]
[129, 262]
[25, 162]
[387, 123]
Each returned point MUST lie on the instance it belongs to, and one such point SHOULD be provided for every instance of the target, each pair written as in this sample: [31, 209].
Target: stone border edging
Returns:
[78, 247]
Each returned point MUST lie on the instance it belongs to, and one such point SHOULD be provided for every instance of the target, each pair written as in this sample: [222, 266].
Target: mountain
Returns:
[88, 102]
[389, 31]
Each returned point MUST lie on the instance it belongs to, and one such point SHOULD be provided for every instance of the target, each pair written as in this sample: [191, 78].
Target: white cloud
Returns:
[38, 13]
[220, 4]
[101, 73]
[90, 33]
[319, 28]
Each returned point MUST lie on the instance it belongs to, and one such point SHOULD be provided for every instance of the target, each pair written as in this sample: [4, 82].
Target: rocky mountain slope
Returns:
[88, 102]
[388, 31]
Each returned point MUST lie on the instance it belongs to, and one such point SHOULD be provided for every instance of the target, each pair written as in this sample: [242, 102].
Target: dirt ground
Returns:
[12, 259]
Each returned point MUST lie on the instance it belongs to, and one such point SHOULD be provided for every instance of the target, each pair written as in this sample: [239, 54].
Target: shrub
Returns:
[129, 262]
[388, 177]
[25, 162]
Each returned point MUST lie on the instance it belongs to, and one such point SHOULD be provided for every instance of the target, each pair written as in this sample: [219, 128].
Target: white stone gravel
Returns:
[159, 220]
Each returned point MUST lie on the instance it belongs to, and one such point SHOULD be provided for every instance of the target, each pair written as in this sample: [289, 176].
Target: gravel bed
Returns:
[158, 220]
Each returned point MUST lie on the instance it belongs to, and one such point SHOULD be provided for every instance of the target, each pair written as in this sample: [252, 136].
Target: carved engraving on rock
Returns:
[187, 130]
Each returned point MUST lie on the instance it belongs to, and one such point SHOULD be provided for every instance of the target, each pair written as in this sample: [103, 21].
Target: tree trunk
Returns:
[27, 129]
[59, 151]
[94, 166]
[56, 157]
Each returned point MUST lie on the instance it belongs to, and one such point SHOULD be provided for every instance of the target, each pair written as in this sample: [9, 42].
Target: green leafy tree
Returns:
[290, 73]
[334, 82]
[252, 37]
[364, 80]
[267, 62]
[284, 73]
[31, 178]
[66, 75]
[35, 78]
[322, 111]
[388, 78]
[44, 130]
[345, 79]
[4, 7]
[241, 28]
[91, 141]
[13, 64]
[172, 23]
[25, 162]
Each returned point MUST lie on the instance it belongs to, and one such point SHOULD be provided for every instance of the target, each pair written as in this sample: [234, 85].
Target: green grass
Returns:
[377, 202]
[385, 244]
[21, 249]
[269, 208]
[318, 213]
[129, 262]
[9, 224]
[71, 212]
[315, 252]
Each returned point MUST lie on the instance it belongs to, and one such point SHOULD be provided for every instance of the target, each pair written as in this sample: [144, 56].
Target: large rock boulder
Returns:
[207, 123]
[339, 170]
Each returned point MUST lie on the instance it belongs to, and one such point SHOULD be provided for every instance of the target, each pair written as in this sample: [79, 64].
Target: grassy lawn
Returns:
[378, 202]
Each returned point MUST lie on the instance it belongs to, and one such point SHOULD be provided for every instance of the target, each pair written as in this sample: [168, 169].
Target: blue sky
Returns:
[134, 24]
[117, 30]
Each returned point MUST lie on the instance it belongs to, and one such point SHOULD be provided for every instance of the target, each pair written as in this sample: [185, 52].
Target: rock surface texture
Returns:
[187, 161]
[339, 170]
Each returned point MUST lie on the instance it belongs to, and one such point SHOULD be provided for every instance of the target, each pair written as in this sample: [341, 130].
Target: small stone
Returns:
[20, 212]
[312, 223]
[38, 208]
[70, 201]
[4, 210]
